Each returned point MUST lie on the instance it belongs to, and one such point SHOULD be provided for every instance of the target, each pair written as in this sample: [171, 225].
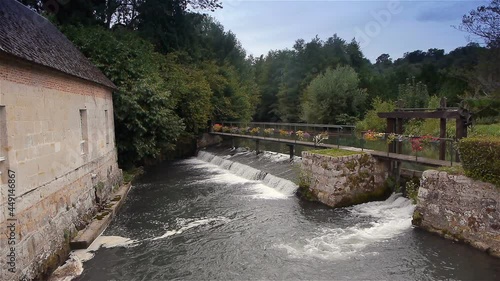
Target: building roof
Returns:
[29, 36]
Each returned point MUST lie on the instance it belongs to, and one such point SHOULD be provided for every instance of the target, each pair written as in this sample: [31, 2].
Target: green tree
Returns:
[146, 125]
[371, 120]
[414, 95]
[331, 94]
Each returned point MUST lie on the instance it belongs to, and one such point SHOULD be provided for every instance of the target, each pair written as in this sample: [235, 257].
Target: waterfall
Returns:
[284, 186]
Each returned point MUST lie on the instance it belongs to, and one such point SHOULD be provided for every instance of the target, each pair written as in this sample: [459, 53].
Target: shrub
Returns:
[217, 127]
[481, 158]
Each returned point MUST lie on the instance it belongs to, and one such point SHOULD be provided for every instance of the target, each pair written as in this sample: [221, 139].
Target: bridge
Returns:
[329, 136]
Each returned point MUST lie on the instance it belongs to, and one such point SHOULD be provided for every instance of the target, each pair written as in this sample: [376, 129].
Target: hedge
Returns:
[480, 158]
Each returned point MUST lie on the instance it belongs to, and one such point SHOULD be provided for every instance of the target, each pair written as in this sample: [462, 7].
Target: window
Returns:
[107, 125]
[84, 146]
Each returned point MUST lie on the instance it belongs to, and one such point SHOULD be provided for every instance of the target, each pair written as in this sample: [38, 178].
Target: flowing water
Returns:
[235, 217]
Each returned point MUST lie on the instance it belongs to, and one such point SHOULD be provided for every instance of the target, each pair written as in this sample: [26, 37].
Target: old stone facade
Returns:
[459, 208]
[57, 137]
[57, 147]
[346, 180]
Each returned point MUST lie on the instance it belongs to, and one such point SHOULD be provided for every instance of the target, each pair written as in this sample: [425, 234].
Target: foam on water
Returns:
[390, 218]
[73, 267]
[186, 224]
[282, 188]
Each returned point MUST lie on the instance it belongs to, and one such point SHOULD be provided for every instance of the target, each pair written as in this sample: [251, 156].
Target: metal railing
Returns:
[337, 135]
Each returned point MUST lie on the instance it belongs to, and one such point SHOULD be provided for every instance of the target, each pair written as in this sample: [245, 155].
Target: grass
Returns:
[335, 152]
[454, 170]
[130, 175]
[485, 130]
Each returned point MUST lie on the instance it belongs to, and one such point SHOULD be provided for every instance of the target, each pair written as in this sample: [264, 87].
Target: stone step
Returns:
[86, 236]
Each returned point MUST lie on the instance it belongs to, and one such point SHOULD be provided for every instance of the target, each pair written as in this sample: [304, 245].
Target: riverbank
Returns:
[85, 237]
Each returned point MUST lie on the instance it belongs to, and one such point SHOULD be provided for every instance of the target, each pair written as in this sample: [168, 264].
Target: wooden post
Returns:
[391, 123]
[442, 143]
[292, 150]
[398, 146]
[257, 144]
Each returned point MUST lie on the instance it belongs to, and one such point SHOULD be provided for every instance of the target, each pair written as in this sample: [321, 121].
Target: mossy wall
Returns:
[459, 208]
[344, 180]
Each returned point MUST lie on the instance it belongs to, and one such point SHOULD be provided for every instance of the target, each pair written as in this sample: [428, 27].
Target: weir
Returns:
[282, 185]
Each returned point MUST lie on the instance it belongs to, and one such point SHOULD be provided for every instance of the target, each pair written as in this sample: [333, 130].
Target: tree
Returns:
[332, 94]
[146, 125]
[484, 22]
[414, 95]
[371, 120]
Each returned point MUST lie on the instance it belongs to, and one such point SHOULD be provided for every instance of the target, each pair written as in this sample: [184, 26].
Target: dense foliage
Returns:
[481, 158]
[332, 95]
[176, 69]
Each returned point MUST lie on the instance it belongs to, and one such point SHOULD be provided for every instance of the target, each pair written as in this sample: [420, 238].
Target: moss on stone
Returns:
[364, 160]
[378, 194]
[351, 165]
[99, 186]
[453, 170]
[324, 165]
[417, 218]
[305, 193]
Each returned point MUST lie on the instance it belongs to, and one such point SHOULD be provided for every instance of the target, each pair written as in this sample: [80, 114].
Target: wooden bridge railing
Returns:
[341, 136]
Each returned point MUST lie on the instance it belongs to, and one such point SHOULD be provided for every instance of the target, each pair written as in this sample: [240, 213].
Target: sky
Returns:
[392, 27]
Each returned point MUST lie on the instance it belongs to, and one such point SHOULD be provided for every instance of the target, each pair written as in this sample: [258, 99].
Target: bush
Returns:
[481, 158]
[372, 121]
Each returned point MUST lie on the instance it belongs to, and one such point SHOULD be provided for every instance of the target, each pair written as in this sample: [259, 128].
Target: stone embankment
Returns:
[459, 208]
[344, 180]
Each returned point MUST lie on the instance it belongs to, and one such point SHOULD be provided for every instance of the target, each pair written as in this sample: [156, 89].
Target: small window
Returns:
[84, 147]
[106, 118]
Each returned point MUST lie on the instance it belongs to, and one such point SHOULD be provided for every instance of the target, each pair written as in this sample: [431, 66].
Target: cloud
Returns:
[446, 11]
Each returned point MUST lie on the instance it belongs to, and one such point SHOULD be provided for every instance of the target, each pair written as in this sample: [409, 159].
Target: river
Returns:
[196, 220]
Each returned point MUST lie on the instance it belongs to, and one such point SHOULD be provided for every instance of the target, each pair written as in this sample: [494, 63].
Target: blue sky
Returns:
[392, 27]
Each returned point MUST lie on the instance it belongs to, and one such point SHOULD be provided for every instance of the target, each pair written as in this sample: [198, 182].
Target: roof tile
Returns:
[27, 35]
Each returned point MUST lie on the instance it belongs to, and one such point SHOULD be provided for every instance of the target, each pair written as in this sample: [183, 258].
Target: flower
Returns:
[255, 131]
[285, 133]
[217, 127]
[269, 131]
[300, 134]
[391, 138]
[369, 135]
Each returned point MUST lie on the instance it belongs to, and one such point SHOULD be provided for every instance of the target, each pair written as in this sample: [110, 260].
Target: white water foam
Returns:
[190, 223]
[282, 188]
[391, 218]
[73, 267]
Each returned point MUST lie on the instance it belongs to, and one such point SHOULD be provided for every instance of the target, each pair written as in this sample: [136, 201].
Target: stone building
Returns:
[57, 147]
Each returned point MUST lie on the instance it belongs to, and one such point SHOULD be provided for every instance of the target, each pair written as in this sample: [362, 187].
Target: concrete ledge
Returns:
[86, 236]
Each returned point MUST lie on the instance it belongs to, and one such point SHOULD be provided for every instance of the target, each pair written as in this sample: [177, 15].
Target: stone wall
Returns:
[459, 208]
[346, 180]
[57, 135]
[207, 140]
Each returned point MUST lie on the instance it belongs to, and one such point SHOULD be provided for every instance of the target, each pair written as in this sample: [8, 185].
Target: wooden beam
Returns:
[429, 114]
[442, 143]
